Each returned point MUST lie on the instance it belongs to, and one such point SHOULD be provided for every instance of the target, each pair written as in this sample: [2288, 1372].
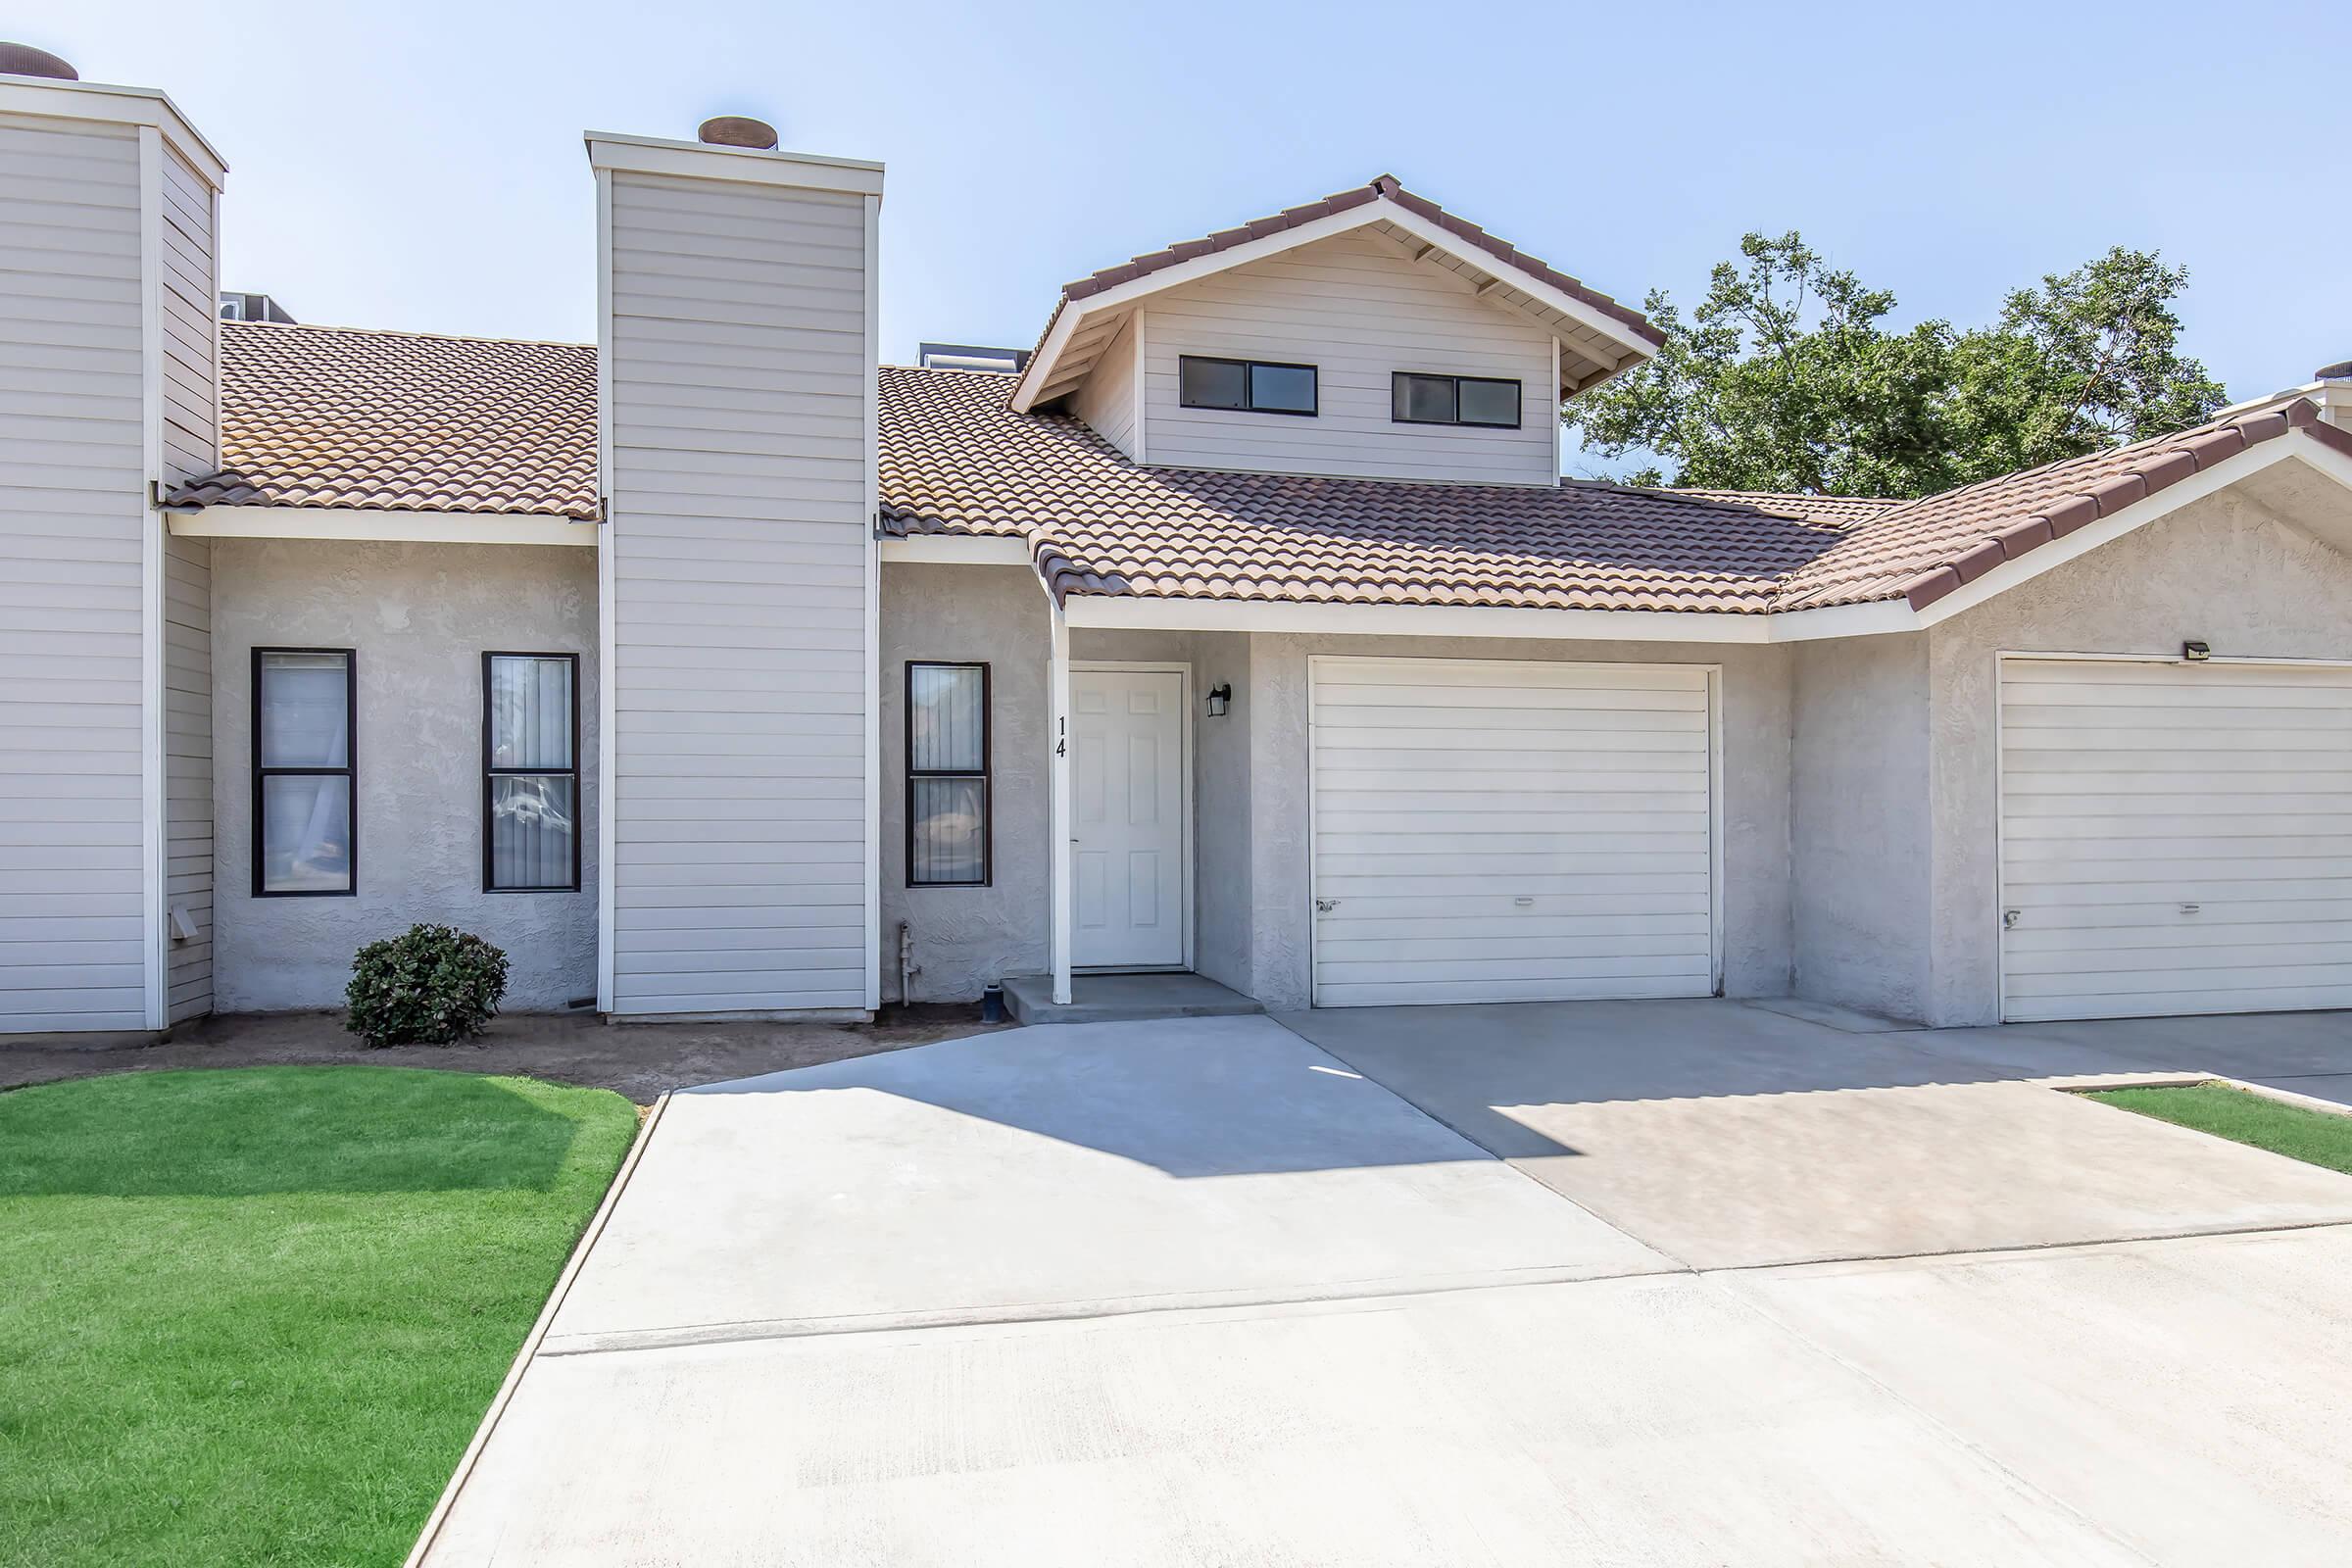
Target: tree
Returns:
[1784, 378]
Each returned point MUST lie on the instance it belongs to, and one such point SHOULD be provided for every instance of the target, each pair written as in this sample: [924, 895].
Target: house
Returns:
[1242, 626]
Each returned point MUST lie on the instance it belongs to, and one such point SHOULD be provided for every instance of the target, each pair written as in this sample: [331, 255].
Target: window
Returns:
[1249, 385]
[531, 773]
[305, 818]
[1477, 400]
[947, 775]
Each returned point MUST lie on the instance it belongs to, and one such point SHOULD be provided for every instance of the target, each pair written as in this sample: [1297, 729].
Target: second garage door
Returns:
[1507, 831]
[2176, 838]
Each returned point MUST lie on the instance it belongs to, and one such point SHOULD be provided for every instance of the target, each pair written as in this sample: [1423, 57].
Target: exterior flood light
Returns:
[2192, 652]
[1218, 696]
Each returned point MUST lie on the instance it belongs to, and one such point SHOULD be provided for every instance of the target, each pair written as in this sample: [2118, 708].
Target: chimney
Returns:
[106, 277]
[2335, 396]
[736, 345]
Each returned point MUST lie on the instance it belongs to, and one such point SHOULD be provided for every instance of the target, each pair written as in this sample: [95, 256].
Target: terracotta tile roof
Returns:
[1382, 185]
[1839, 509]
[956, 460]
[1921, 550]
[342, 417]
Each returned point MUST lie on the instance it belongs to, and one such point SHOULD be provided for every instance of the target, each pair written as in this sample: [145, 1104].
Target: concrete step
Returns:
[1123, 999]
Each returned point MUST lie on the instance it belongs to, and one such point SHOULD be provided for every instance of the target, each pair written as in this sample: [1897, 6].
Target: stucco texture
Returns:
[2225, 570]
[418, 617]
[966, 937]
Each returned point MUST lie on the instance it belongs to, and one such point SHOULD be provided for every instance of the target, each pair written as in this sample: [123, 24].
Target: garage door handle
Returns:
[2010, 917]
[1326, 906]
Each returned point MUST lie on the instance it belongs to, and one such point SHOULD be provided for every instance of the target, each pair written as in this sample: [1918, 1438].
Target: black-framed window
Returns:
[531, 772]
[1249, 386]
[1483, 401]
[305, 813]
[947, 775]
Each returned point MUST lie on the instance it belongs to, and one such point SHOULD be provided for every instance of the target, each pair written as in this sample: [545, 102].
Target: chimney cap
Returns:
[24, 60]
[738, 131]
[2334, 372]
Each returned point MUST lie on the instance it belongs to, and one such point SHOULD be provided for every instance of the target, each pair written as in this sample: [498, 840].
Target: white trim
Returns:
[607, 662]
[2196, 487]
[1138, 375]
[1717, 942]
[1183, 670]
[1118, 611]
[1874, 619]
[154, 855]
[957, 549]
[145, 107]
[381, 524]
[871, 413]
[608, 151]
[1379, 210]
[1058, 820]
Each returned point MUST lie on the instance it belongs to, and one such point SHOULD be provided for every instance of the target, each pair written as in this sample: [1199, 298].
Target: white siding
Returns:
[71, 470]
[1358, 309]
[1490, 831]
[2175, 838]
[191, 444]
[188, 770]
[739, 373]
[1107, 402]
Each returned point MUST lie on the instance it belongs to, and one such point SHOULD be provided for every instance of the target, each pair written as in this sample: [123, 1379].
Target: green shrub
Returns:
[432, 985]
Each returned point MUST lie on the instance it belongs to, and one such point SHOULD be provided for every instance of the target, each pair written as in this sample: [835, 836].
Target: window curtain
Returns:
[533, 815]
[948, 737]
[305, 818]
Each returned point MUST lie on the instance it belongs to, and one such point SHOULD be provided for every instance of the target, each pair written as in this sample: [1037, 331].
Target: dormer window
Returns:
[1247, 387]
[1482, 401]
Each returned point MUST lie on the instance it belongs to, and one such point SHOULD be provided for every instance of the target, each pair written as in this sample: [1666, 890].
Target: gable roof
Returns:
[1600, 335]
[344, 418]
[338, 418]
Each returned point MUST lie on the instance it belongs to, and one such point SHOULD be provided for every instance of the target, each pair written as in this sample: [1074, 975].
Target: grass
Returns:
[254, 1316]
[2315, 1136]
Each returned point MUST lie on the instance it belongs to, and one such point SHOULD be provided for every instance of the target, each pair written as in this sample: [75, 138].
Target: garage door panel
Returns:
[2176, 838]
[1495, 831]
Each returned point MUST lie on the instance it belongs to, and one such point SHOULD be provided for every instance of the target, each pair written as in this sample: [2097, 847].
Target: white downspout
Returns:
[1057, 699]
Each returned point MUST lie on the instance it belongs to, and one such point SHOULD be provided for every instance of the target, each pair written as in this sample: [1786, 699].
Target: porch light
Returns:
[1218, 696]
[2194, 652]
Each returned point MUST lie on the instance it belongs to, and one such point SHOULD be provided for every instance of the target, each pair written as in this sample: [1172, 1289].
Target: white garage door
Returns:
[2175, 838]
[1490, 831]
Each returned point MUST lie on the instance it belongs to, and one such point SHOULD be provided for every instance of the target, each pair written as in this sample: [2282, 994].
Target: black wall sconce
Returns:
[1220, 696]
[2196, 652]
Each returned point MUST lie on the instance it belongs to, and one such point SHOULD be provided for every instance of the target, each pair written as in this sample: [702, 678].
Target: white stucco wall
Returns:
[2223, 570]
[1858, 824]
[419, 618]
[965, 939]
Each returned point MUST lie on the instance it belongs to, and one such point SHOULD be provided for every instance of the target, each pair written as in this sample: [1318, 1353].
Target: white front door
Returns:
[1127, 819]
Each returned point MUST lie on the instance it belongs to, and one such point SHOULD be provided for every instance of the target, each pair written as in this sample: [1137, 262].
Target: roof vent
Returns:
[236, 307]
[964, 356]
[24, 60]
[737, 130]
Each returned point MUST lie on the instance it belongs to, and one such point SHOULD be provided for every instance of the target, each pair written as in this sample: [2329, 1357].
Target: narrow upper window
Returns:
[304, 818]
[947, 775]
[531, 772]
[1251, 386]
[1479, 400]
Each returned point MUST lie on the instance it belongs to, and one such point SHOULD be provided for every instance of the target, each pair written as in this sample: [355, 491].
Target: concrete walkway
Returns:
[1201, 1292]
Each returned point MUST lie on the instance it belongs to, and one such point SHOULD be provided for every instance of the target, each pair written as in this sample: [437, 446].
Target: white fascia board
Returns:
[396, 528]
[119, 105]
[1877, 620]
[1379, 210]
[698, 160]
[1110, 611]
[957, 549]
[2171, 497]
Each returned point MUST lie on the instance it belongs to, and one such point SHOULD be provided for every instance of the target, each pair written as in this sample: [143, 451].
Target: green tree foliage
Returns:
[1784, 378]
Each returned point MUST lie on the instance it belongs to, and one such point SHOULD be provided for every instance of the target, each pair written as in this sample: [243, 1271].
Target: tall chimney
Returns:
[107, 278]
[737, 350]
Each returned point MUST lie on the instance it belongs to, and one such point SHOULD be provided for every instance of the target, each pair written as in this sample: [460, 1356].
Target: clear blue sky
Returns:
[419, 165]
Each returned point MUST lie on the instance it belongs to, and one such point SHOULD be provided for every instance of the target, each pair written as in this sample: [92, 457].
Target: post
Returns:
[1058, 700]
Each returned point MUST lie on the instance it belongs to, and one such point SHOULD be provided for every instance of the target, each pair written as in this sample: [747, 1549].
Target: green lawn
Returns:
[2316, 1137]
[254, 1316]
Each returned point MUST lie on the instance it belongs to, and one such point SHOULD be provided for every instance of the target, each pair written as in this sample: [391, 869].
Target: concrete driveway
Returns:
[1205, 1292]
